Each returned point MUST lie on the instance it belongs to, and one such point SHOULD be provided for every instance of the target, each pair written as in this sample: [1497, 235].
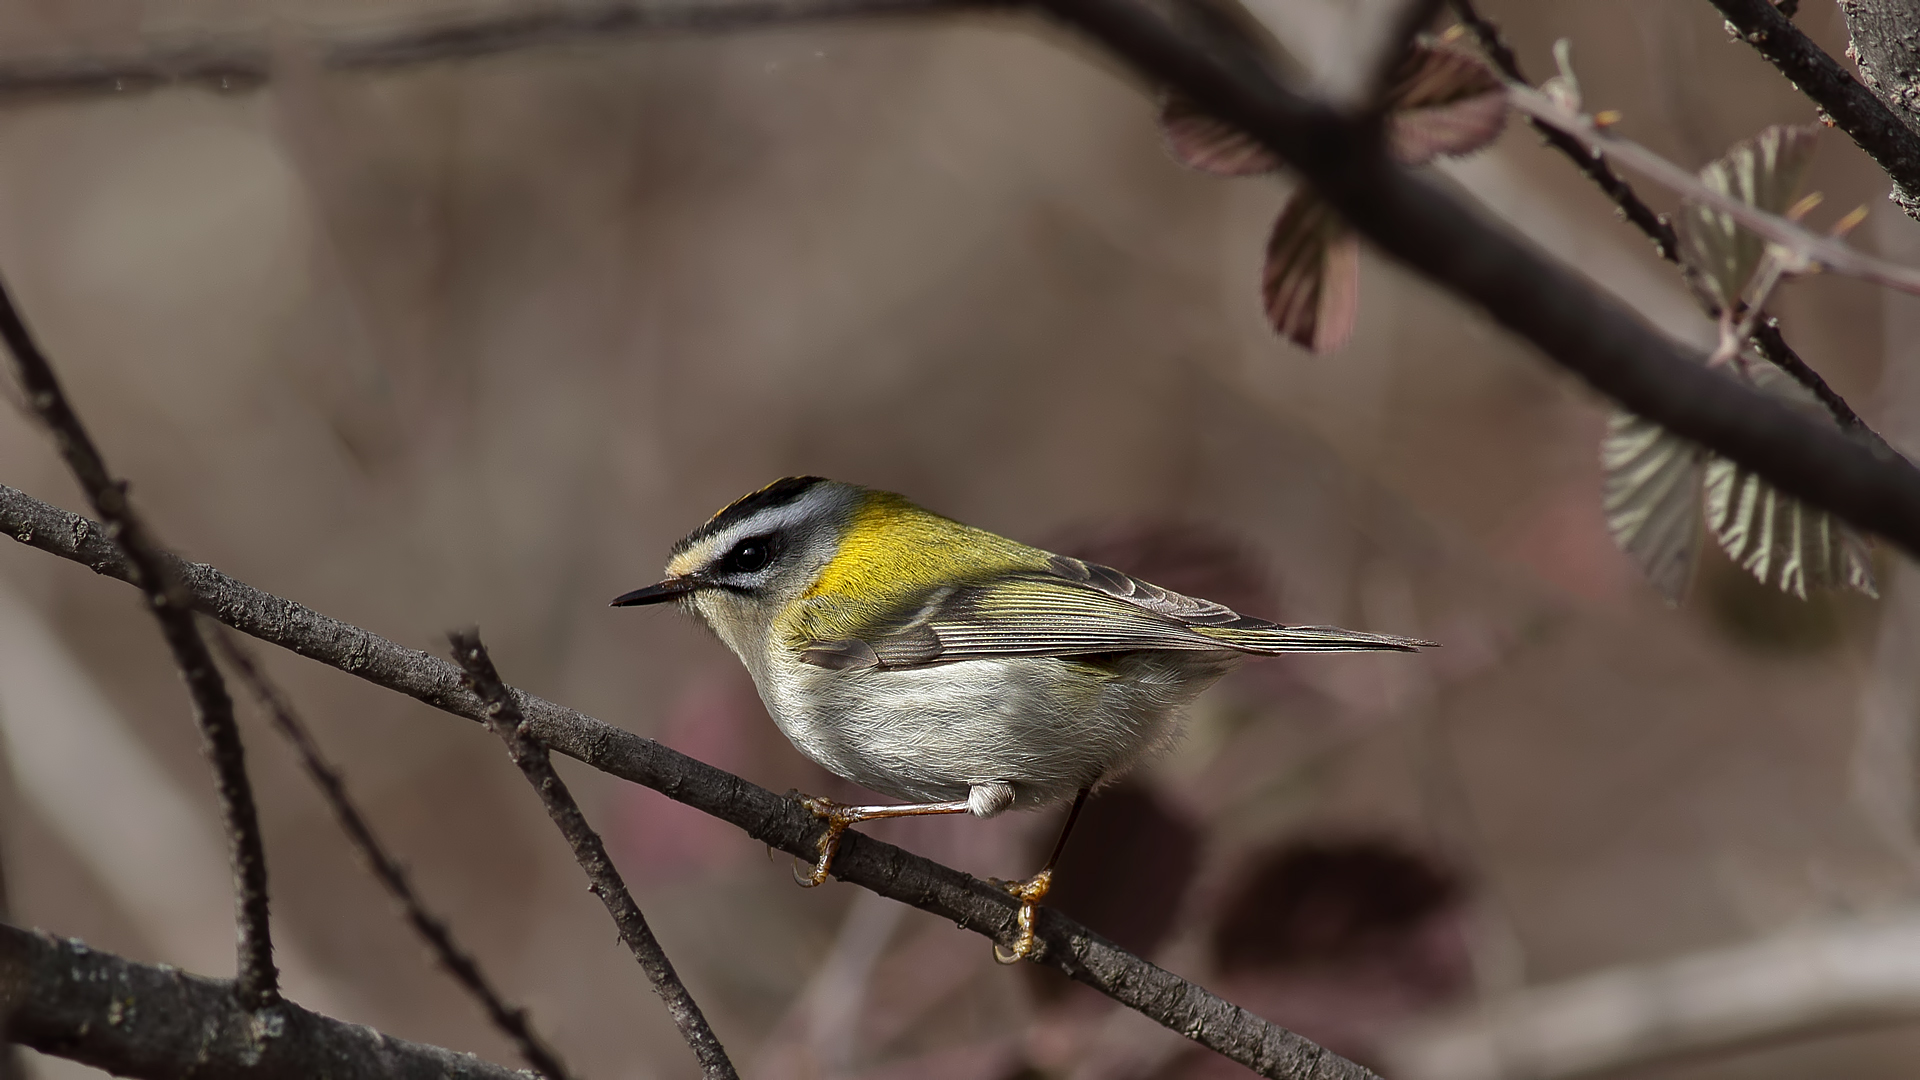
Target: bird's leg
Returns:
[1034, 889]
[839, 815]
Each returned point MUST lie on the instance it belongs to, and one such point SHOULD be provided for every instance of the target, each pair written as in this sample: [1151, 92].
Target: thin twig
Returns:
[1851, 106]
[1804, 246]
[1792, 246]
[167, 598]
[780, 823]
[530, 754]
[246, 64]
[1656, 227]
[159, 1023]
[511, 1020]
[1769, 343]
[1767, 338]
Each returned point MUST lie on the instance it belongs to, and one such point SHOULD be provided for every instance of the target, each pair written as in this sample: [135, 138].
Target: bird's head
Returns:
[754, 559]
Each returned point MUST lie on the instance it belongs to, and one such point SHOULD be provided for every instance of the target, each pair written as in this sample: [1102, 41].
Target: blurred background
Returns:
[475, 342]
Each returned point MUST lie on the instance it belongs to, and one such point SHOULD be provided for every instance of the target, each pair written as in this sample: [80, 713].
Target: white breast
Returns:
[1047, 726]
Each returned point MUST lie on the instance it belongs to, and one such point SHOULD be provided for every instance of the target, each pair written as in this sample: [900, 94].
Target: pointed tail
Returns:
[1287, 639]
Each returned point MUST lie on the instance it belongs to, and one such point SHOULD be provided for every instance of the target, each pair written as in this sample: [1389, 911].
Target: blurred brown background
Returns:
[475, 342]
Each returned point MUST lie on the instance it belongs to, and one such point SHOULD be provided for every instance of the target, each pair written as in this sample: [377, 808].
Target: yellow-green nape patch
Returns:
[892, 555]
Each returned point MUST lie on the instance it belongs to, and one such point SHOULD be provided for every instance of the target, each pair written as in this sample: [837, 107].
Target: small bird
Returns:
[951, 667]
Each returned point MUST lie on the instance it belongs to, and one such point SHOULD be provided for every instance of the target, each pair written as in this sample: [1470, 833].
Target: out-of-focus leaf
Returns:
[1781, 540]
[1659, 487]
[1210, 144]
[1315, 904]
[1777, 538]
[1311, 282]
[1652, 498]
[1420, 135]
[1765, 171]
[1443, 101]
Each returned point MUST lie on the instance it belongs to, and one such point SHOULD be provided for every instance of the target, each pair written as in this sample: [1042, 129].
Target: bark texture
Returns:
[1886, 48]
[157, 1022]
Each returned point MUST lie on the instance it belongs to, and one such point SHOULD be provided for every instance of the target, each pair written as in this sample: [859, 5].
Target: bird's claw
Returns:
[837, 818]
[1029, 893]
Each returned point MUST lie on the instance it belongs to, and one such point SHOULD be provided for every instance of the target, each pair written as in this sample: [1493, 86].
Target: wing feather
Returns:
[1074, 608]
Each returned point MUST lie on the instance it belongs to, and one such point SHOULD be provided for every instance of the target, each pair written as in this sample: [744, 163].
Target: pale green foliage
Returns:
[1764, 171]
[1781, 540]
[1652, 499]
[1777, 538]
[1661, 489]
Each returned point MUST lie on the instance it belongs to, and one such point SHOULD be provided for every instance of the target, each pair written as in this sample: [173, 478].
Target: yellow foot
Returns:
[1029, 893]
[837, 817]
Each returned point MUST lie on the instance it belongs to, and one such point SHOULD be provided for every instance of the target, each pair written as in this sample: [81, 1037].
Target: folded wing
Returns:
[1075, 608]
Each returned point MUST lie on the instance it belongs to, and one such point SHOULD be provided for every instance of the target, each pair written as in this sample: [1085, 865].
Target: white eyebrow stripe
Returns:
[813, 505]
[776, 519]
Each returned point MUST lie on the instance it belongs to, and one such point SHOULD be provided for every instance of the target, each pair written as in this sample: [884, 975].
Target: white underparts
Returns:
[1001, 734]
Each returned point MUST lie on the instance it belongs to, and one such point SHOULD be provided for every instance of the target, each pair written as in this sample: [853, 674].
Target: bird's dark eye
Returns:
[748, 555]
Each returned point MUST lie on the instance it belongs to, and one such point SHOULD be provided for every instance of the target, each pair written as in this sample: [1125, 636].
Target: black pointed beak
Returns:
[670, 589]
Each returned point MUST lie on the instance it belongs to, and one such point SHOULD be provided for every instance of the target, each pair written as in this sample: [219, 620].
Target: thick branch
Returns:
[248, 64]
[1854, 109]
[777, 822]
[504, 717]
[60, 997]
[511, 1020]
[258, 982]
[1544, 301]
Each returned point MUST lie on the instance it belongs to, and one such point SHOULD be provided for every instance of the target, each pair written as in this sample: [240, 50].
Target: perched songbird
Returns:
[950, 667]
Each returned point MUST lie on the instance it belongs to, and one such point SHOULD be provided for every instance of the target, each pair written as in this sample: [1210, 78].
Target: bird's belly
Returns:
[1047, 726]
